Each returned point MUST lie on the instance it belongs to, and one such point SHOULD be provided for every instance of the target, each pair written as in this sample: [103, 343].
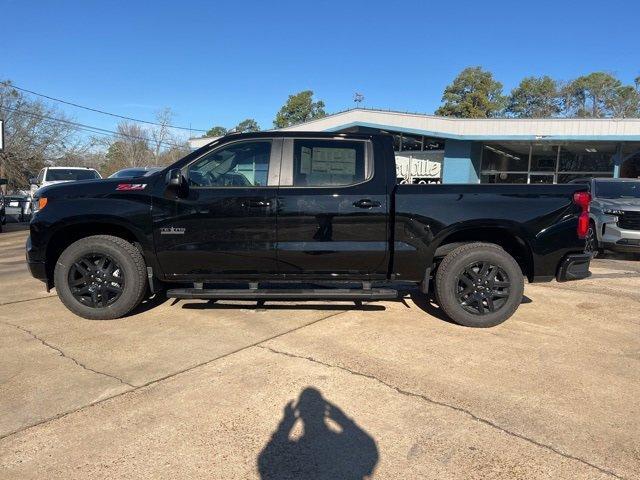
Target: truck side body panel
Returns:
[542, 217]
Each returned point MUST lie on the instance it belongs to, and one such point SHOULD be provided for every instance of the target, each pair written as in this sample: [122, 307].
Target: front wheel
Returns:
[100, 277]
[479, 285]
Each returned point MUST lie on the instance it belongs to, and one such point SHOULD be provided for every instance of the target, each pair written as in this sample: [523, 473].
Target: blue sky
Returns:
[221, 62]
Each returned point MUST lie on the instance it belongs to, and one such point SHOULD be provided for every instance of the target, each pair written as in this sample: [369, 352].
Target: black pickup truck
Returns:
[300, 216]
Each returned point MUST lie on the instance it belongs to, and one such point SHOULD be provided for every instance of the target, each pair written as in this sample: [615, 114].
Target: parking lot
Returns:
[232, 390]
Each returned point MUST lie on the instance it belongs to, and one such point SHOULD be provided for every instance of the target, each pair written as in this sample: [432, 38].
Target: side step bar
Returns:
[283, 294]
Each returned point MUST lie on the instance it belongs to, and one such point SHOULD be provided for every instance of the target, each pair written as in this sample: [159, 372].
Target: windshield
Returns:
[129, 173]
[67, 174]
[135, 172]
[618, 189]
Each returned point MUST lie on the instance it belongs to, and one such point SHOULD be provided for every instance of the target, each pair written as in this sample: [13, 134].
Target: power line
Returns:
[10, 85]
[84, 127]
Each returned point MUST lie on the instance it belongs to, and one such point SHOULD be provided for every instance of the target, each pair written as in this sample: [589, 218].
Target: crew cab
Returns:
[278, 211]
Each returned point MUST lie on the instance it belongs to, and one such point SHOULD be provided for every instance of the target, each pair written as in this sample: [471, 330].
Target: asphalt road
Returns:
[315, 390]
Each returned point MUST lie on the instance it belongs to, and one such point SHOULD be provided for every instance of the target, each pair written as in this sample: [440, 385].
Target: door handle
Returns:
[256, 203]
[366, 203]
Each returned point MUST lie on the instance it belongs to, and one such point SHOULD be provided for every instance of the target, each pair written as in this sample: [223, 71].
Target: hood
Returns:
[34, 188]
[94, 188]
[52, 182]
[620, 203]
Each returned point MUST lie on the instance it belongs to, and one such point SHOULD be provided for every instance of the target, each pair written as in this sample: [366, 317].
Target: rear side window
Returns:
[326, 163]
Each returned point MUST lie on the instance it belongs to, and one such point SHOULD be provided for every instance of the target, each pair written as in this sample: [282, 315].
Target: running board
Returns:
[283, 294]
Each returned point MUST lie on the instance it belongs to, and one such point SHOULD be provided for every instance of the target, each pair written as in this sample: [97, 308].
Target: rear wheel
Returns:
[100, 277]
[479, 285]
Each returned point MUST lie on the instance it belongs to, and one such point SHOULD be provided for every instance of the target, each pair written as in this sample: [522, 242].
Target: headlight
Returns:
[610, 211]
[39, 204]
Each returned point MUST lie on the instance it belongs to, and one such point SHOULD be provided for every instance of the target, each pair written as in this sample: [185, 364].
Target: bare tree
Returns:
[130, 147]
[35, 134]
[162, 135]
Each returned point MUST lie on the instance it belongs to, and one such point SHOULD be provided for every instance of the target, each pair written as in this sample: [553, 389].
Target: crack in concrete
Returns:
[28, 300]
[157, 380]
[469, 413]
[64, 355]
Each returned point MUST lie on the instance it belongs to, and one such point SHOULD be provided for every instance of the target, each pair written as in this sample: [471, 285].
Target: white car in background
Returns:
[52, 175]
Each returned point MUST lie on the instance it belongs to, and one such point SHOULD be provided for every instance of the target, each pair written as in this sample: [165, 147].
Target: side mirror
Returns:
[33, 181]
[177, 183]
[175, 178]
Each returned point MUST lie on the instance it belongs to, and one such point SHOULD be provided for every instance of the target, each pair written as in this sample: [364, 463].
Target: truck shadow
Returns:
[315, 439]
[427, 304]
[149, 303]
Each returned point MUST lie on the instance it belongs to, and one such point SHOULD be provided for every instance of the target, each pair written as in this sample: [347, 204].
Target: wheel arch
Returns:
[72, 232]
[511, 241]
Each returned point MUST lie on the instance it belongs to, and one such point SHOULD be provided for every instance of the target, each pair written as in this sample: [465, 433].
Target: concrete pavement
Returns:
[228, 390]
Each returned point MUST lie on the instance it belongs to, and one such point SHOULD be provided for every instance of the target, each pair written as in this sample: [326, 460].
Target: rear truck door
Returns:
[332, 210]
[224, 226]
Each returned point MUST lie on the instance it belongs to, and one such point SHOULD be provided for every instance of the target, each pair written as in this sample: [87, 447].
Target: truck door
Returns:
[332, 210]
[225, 226]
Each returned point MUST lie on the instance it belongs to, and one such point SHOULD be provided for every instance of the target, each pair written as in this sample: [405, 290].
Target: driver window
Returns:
[242, 164]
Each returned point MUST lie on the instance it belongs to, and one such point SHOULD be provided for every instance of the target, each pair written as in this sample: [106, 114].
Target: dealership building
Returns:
[431, 149]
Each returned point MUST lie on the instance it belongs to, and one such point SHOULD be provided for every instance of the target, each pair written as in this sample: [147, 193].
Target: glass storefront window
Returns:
[432, 143]
[567, 177]
[581, 157]
[504, 178]
[541, 177]
[630, 166]
[501, 158]
[397, 141]
[544, 163]
[544, 158]
[406, 142]
[411, 143]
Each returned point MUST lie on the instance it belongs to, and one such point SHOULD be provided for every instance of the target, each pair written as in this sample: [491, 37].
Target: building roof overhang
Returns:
[474, 129]
[529, 129]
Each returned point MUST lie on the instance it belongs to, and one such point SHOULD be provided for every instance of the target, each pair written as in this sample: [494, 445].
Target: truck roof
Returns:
[294, 133]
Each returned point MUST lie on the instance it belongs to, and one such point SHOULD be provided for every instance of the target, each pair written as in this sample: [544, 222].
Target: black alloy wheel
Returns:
[591, 242]
[479, 285]
[96, 280]
[482, 288]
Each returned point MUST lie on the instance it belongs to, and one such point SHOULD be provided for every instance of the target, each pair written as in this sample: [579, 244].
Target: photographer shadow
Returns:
[331, 445]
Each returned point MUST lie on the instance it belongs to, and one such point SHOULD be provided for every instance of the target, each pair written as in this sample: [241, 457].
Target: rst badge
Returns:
[127, 187]
[172, 231]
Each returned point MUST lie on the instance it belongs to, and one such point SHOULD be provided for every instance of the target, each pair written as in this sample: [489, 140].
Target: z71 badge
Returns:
[131, 186]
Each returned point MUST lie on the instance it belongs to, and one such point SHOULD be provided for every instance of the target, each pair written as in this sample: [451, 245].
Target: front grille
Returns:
[629, 220]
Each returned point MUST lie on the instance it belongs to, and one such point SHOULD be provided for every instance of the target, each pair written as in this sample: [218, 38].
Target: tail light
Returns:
[583, 199]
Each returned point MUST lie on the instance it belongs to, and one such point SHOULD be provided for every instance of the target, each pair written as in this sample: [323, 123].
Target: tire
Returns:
[84, 258]
[490, 302]
[591, 242]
